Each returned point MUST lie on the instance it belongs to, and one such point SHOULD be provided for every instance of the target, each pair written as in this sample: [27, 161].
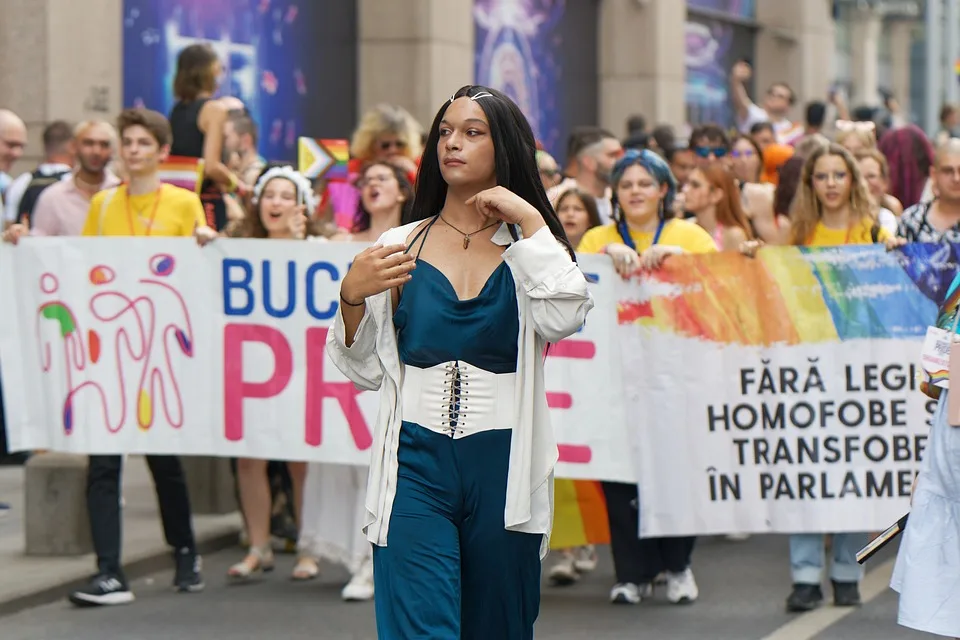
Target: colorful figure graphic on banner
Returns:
[133, 332]
[518, 53]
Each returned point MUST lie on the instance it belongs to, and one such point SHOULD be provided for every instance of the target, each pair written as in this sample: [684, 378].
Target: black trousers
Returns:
[103, 505]
[635, 560]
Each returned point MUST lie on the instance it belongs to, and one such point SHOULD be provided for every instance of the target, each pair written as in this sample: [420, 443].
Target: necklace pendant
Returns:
[466, 242]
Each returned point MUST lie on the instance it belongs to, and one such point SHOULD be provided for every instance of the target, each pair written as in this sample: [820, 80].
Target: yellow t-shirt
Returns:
[824, 236]
[688, 236]
[113, 213]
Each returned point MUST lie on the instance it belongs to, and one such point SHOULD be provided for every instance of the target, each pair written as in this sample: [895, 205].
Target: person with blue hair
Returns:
[642, 236]
[644, 231]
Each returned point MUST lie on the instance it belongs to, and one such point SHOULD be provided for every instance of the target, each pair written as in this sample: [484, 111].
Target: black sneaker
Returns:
[187, 578]
[103, 591]
[846, 594]
[805, 597]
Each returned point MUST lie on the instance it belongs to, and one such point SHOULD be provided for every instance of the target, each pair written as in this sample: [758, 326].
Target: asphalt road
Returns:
[742, 590]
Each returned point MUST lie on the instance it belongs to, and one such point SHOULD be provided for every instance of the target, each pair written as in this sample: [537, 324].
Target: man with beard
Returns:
[61, 209]
[596, 151]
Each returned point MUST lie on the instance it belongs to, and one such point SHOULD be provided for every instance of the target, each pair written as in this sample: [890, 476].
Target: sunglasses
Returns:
[386, 145]
[704, 152]
[747, 153]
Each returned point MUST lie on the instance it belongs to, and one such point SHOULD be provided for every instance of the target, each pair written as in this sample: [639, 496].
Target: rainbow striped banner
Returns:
[792, 296]
[779, 393]
[580, 514]
[324, 158]
[183, 172]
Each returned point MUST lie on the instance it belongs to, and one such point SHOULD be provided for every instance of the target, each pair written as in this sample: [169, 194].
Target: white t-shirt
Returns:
[887, 220]
[604, 208]
[786, 131]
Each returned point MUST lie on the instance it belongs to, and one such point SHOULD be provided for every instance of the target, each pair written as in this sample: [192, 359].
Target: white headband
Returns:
[482, 94]
[305, 193]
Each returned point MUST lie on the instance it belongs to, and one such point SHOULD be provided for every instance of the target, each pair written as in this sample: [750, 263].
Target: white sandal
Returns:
[242, 570]
[307, 568]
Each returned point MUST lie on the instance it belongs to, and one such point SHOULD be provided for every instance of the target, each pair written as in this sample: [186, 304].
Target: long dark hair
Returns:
[514, 148]
[195, 72]
[361, 219]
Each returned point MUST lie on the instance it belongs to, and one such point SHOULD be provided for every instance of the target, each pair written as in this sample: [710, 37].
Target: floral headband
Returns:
[305, 193]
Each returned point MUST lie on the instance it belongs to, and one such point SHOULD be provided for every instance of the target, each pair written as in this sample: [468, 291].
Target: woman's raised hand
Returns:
[375, 270]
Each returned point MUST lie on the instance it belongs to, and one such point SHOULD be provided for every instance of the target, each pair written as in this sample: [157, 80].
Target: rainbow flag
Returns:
[795, 295]
[186, 173]
[579, 515]
[324, 158]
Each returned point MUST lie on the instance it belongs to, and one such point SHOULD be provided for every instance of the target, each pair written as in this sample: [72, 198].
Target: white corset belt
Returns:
[458, 399]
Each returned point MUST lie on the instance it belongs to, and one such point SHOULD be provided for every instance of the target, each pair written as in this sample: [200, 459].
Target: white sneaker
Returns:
[625, 593]
[360, 587]
[585, 559]
[564, 572]
[682, 587]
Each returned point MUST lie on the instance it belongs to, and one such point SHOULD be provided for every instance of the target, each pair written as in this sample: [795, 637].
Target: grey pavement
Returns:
[28, 581]
[742, 587]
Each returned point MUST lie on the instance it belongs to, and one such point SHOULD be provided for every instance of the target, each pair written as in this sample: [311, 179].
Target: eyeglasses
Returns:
[746, 153]
[362, 182]
[386, 145]
[705, 152]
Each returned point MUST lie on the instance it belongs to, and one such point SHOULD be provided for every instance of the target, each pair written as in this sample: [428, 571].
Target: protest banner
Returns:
[773, 394]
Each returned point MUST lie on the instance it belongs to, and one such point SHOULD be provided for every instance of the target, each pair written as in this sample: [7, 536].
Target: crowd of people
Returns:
[854, 179]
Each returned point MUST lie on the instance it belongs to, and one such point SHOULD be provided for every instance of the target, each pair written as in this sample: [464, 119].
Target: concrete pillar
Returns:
[211, 485]
[865, 56]
[901, 36]
[795, 45]
[642, 62]
[60, 60]
[415, 53]
[56, 521]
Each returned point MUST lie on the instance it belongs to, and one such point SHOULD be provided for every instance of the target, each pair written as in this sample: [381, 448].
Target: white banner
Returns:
[157, 346]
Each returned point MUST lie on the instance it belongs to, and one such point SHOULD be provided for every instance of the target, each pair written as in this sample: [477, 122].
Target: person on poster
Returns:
[449, 316]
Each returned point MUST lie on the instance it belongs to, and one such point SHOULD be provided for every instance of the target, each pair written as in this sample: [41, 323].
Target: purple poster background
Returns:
[291, 62]
[519, 50]
[707, 91]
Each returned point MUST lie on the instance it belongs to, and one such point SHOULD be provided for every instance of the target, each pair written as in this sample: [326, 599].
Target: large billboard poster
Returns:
[292, 63]
[519, 50]
[712, 47]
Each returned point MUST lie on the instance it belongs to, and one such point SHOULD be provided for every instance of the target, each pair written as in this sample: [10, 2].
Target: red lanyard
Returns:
[153, 214]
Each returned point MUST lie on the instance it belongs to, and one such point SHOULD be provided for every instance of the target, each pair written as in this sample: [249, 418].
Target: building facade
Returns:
[312, 68]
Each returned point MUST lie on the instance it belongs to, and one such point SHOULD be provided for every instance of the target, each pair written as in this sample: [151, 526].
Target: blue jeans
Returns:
[807, 557]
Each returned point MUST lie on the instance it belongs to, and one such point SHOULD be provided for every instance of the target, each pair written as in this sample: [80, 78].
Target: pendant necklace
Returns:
[466, 236]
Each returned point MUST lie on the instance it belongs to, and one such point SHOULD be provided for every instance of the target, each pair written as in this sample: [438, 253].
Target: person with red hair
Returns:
[910, 156]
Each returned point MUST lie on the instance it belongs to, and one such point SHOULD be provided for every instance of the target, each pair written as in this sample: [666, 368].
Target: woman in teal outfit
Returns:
[448, 316]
